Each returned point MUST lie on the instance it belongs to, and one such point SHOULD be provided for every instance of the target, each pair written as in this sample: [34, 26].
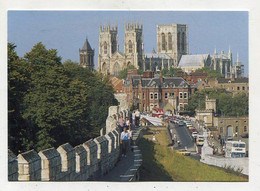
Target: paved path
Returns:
[121, 167]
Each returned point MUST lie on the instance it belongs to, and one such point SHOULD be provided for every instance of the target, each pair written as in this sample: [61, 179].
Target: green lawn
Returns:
[161, 163]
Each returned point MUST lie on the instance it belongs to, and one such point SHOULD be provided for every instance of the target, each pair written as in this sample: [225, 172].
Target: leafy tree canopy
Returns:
[210, 72]
[51, 103]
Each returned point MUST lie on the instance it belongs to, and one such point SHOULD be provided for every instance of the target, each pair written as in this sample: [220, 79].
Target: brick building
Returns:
[153, 90]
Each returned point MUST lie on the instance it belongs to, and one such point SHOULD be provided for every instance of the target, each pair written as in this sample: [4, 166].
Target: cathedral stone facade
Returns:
[110, 59]
[172, 40]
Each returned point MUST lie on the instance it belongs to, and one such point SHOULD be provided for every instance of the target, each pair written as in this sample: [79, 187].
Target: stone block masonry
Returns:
[84, 162]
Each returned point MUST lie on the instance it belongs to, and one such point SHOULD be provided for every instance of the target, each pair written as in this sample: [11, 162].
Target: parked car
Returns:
[194, 134]
[181, 123]
[183, 152]
[245, 135]
[200, 140]
[229, 138]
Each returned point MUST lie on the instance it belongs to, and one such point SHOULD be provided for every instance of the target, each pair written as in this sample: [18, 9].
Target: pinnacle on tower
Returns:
[237, 57]
[229, 50]
[215, 50]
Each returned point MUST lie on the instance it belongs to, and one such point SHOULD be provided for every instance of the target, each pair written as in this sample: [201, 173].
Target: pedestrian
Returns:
[127, 122]
[133, 119]
[124, 141]
[130, 137]
[137, 117]
[172, 141]
[121, 123]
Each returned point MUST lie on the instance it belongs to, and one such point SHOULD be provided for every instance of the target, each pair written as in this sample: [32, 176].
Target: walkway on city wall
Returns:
[127, 168]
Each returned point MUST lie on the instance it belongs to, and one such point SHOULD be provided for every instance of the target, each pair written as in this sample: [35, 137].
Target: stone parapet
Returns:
[102, 154]
[86, 161]
[29, 166]
[68, 164]
[82, 171]
[51, 164]
[92, 160]
[12, 166]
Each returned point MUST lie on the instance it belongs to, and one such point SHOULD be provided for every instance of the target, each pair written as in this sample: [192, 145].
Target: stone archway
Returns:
[104, 68]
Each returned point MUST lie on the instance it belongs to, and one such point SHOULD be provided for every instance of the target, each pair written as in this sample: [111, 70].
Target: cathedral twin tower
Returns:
[171, 43]
[110, 59]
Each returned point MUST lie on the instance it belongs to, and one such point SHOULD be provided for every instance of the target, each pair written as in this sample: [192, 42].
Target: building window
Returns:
[155, 105]
[238, 88]
[180, 95]
[181, 106]
[163, 41]
[105, 48]
[172, 94]
[143, 96]
[245, 128]
[178, 40]
[151, 105]
[183, 42]
[130, 46]
[166, 95]
[244, 121]
[151, 95]
[169, 41]
[155, 95]
[236, 128]
[185, 95]
[221, 129]
[243, 88]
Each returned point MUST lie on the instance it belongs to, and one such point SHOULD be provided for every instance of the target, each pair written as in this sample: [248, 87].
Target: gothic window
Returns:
[245, 128]
[113, 45]
[105, 48]
[183, 42]
[179, 40]
[163, 42]
[130, 46]
[169, 41]
[116, 69]
[243, 88]
[104, 68]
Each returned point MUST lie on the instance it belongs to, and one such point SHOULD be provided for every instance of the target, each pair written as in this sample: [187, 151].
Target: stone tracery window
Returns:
[183, 41]
[163, 42]
[105, 48]
[130, 46]
[169, 41]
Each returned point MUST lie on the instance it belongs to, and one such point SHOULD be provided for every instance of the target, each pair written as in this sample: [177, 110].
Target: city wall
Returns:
[86, 161]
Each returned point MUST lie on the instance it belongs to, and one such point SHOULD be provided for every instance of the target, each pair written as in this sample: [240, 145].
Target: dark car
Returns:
[245, 135]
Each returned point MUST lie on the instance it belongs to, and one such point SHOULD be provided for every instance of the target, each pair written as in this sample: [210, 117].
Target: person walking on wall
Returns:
[127, 123]
[137, 117]
[124, 141]
[130, 137]
[121, 123]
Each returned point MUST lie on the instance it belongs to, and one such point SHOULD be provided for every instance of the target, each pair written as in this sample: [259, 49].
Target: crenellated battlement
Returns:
[133, 26]
[86, 161]
[108, 28]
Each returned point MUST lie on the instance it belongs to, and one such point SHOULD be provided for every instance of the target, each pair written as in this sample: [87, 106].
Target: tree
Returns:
[123, 73]
[210, 73]
[172, 72]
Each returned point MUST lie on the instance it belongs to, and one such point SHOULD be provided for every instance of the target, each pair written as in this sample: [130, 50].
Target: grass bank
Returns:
[161, 163]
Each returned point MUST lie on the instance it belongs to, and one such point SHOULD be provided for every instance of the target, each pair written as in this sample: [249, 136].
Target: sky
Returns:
[66, 31]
